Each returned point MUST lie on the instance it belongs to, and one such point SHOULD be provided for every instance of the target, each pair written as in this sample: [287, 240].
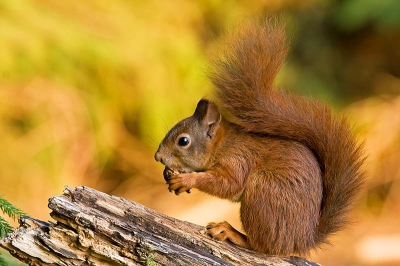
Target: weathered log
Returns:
[93, 228]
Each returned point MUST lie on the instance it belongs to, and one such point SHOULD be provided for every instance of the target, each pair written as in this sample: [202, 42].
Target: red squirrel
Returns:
[294, 167]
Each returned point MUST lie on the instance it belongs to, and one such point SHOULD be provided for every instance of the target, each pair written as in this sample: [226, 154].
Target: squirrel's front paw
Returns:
[180, 183]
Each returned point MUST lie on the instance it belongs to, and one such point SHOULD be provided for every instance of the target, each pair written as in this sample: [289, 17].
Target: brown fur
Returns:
[294, 167]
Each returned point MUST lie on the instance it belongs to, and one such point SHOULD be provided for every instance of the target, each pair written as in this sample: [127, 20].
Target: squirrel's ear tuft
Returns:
[207, 112]
[201, 109]
[208, 116]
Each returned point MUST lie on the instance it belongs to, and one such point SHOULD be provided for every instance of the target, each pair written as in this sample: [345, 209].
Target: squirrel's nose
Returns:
[158, 157]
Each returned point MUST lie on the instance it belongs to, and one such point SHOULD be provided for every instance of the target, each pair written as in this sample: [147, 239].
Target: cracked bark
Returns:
[93, 228]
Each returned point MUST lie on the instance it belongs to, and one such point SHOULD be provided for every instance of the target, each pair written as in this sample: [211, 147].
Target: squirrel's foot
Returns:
[224, 231]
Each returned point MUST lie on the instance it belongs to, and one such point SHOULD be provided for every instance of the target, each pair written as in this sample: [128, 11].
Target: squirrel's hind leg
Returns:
[224, 231]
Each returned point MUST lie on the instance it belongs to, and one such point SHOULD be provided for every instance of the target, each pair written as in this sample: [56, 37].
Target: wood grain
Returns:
[93, 228]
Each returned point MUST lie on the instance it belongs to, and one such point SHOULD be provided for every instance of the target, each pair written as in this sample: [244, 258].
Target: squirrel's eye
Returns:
[183, 141]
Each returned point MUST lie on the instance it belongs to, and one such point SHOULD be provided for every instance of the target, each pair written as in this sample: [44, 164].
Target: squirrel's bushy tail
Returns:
[244, 74]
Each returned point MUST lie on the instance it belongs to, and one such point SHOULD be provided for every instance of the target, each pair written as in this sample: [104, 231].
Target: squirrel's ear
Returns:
[208, 116]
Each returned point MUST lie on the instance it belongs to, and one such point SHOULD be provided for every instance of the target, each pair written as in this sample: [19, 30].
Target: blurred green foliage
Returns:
[342, 49]
[7, 260]
[354, 15]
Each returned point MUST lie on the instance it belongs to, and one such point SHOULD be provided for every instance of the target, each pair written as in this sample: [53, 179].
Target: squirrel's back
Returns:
[244, 79]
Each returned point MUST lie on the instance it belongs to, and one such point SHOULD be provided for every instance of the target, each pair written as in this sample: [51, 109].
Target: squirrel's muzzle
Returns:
[158, 157]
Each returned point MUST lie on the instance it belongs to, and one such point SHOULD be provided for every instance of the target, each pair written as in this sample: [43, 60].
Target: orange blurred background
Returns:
[88, 89]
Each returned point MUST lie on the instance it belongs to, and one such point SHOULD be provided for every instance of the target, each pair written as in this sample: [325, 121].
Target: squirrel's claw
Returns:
[178, 189]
